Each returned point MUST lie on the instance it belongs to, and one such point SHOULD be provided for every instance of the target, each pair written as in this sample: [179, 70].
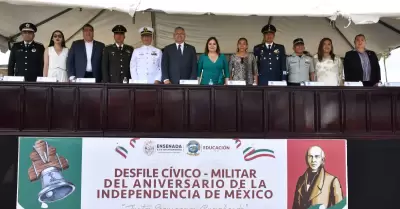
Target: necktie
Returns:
[179, 49]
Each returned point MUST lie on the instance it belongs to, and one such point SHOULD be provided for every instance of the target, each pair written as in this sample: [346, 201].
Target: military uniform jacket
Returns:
[26, 61]
[115, 63]
[271, 63]
[146, 64]
[299, 68]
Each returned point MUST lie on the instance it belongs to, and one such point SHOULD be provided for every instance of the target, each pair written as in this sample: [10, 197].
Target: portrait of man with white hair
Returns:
[316, 186]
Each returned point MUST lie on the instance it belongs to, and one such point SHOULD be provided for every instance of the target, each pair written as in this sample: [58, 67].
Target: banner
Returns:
[186, 173]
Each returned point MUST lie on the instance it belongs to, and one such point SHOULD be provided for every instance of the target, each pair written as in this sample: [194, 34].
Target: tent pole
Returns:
[44, 21]
[3, 36]
[384, 65]
[390, 27]
[88, 22]
[153, 25]
[341, 34]
[269, 20]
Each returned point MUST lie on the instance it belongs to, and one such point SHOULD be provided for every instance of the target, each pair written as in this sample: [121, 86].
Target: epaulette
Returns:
[38, 43]
[109, 45]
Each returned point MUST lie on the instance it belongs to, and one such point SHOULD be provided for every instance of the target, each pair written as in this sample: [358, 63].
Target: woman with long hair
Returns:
[212, 66]
[55, 58]
[328, 69]
[243, 65]
[328, 66]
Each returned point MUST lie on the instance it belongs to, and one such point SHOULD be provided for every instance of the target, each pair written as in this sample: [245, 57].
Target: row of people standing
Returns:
[118, 61]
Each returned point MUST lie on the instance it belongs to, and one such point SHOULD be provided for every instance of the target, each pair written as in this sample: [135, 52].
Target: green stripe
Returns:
[263, 150]
[126, 151]
[247, 149]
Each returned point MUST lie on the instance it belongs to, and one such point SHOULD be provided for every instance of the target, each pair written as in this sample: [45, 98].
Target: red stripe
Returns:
[133, 141]
[238, 142]
[121, 153]
[257, 156]
[249, 153]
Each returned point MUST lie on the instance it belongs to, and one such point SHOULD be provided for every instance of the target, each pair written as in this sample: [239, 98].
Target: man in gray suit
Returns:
[179, 60]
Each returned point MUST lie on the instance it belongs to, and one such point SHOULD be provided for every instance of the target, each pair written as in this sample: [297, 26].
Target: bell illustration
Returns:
[55, 187]
[47, 166]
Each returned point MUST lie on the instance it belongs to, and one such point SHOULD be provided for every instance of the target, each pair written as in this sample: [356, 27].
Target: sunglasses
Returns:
[57, 36]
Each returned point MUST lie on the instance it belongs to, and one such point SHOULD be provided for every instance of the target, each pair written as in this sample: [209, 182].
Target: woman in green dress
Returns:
[212, 67]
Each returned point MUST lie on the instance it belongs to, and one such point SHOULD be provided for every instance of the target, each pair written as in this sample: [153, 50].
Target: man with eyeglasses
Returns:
[26, 57]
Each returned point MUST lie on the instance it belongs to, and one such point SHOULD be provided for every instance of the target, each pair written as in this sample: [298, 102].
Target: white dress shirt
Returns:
[269, 46]
[89, 51]
[182, 45]
[146, 64]
[27, 43]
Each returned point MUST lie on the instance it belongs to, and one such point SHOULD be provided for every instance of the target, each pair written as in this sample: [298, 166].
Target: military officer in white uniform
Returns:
[146, 60]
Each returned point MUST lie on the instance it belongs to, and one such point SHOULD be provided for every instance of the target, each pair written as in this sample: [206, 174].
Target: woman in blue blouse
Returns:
[212, 67]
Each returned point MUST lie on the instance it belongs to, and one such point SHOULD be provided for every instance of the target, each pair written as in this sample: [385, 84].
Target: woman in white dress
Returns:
[328, 66]
[55, 58]
[328, 69]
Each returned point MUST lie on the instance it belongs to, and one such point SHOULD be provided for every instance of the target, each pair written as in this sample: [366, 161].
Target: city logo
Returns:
[148, 147]
[193, 148]
[169, 148]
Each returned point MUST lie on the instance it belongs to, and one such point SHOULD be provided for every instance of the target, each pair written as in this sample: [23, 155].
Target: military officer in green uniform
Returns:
[26, 57]
[116, 58]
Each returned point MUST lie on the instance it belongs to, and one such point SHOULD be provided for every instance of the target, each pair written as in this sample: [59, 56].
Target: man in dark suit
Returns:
[271, 58]
[362, 64]
[179, 60]
[84, 57]
[26, 57]
[116, 58]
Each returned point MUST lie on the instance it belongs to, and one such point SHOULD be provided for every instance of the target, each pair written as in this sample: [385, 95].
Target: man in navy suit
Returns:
[84, 57]
[362, 64]
[271, 58]
[179, 60]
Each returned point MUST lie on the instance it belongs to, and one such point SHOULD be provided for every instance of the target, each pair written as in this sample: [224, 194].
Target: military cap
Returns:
[146, 31]
[298, 41]
[119, 29]
[28, 27]
[268, 29]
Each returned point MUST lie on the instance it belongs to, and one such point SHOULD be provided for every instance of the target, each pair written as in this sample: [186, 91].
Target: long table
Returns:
[44, 109]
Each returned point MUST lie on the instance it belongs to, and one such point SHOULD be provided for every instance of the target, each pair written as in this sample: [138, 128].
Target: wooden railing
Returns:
[41, 109]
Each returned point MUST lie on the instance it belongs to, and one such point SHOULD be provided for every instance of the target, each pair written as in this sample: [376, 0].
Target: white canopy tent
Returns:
[223, 19]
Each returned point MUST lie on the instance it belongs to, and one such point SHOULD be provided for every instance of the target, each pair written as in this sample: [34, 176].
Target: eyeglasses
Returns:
[57, 36]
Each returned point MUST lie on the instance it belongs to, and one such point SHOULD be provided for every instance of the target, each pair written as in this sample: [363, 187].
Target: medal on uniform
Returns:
[127, 51]
[33, 50]
[113, 53]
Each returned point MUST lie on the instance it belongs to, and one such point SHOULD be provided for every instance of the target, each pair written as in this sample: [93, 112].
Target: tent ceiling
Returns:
[11, 16]
[229, 29]
[198, 28]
